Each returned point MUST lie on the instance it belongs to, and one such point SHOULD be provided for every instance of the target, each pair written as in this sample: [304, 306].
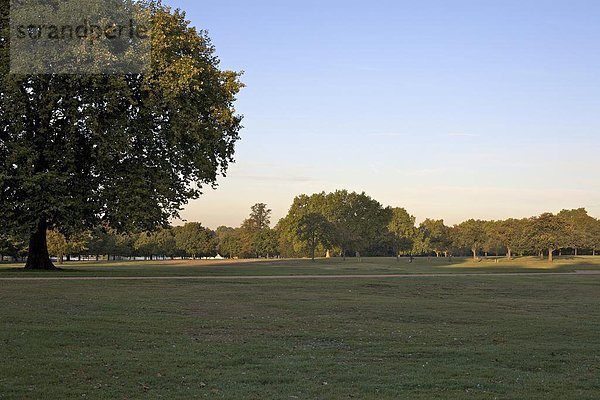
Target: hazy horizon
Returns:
[452, 110]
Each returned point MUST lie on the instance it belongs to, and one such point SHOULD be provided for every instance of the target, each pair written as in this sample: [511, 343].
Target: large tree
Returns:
[359, 220]
[290, 243]
[579, 229]
[472, 235]
[511, 233]
[195, 240]
[229, 242]
[436, 236]
[548, 231]
[127, 151]
[313, 229]
[255, 232]
[402, 228]
[595, 236]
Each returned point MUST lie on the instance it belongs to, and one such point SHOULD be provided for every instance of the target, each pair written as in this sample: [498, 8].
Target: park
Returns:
[274, 329]
[299, 200]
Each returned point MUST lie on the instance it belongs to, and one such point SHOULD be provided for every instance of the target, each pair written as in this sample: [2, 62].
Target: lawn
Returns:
[442, 337]
[335, 266]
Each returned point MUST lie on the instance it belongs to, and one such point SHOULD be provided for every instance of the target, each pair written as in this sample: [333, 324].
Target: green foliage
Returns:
[548, 231]
[12, 246]
[290, 243]
[61, 246]
[229, 242]
[580, 228]
[259, 219]
[127, 151]
[358, 222]
[57, 244]
[511, 233]
[435, 236]
[102, 241]
[402, 227]
[257, 238]
[266, 243]
[471, 234]
[195, 240]
[314, 229]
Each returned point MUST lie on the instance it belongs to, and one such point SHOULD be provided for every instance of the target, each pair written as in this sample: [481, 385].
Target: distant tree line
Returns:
[254, 239]
[338, 224]
[344, 223]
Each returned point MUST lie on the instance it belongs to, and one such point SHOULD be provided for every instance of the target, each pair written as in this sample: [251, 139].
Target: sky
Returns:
[452, 109]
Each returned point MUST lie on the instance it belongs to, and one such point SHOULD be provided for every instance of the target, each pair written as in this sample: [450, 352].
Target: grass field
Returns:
[334, 266]
[434, 337]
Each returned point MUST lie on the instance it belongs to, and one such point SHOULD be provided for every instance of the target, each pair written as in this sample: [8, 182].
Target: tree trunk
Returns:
[576, 252]
[474, 254]
[38, 257]
[509, 255]
[551, 255]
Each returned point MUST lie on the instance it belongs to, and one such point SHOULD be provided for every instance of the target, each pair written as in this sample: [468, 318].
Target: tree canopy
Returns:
[126, 151]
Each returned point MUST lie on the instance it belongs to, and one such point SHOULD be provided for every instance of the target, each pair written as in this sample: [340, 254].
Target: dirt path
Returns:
[291, 277]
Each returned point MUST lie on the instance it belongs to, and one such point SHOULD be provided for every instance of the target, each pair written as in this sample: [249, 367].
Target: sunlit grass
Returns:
[332, 266]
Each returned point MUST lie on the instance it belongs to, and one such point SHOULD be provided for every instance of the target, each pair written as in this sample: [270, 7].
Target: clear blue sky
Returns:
[451, 108]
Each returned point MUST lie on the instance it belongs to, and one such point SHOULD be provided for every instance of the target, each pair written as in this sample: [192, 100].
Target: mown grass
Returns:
[336, 266]
[448, 337]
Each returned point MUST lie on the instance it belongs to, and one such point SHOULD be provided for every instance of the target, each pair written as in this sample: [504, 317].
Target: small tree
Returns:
[61, 246]
[57, 245]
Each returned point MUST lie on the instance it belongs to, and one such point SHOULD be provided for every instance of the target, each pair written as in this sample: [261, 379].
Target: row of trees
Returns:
[340, 224]
[343, 222]
[254, 239]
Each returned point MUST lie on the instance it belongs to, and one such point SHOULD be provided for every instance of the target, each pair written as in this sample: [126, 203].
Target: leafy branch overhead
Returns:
[127, 151]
